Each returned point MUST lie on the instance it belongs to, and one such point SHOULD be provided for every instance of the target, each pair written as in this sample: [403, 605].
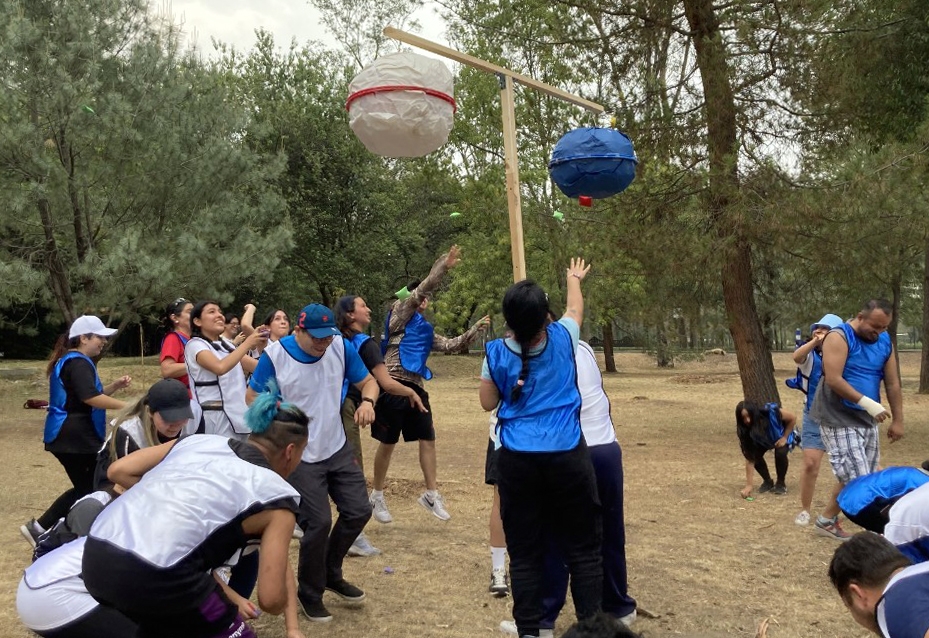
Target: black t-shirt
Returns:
[370, 353]
[77, 434]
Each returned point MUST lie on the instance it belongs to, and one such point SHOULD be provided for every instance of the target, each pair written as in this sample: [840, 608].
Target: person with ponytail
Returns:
[76, 421]
[156, 570]
[217, 372]
[548, 490]
[156, 418]
[176, 322]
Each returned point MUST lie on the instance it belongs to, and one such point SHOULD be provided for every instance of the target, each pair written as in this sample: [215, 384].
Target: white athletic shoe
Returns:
[363, 547]
[628, 619]
[379, 509]
[803, 518]
[436, 506]
[298, 533]
[509, 627]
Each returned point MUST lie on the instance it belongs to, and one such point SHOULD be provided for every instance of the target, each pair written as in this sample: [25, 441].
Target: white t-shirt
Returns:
[596, 423]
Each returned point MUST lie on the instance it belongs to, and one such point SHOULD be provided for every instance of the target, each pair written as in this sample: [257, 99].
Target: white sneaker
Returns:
[363, 547]
[298, 533]
[803, 518]
[379, 509]
[628, 619]
[509, 627]
[499, 582]
[436, 506]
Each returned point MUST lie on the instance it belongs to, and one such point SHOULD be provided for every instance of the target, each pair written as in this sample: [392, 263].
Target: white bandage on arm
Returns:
[871, 406]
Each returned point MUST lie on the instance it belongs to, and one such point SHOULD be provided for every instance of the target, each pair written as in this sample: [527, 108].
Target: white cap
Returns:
[89, 325]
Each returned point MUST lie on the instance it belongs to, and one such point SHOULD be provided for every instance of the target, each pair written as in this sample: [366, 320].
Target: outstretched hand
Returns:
[453, 257]
[578, 268]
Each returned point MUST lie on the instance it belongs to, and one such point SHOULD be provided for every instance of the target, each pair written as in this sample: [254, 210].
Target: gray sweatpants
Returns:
[321, 550]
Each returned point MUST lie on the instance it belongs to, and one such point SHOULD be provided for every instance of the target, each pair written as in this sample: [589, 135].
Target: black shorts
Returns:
[394, 414]
[490, 463]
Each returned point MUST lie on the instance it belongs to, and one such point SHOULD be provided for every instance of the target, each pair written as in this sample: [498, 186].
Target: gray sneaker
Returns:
[31, 532]
[435, 505]
[363, 547]
[379, 509]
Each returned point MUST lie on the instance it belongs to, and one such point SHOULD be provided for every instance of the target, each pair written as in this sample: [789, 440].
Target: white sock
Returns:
[377, 493]
[498, 557]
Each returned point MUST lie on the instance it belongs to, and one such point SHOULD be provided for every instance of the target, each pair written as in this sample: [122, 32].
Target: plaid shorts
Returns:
[853, 451]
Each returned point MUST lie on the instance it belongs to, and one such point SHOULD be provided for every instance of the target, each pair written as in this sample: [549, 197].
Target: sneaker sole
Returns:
[358, 553]
[319, 619]
[432, 511]
[27, 535]
[500, 593]
[819, 531]
[384, 521]
[347, 599]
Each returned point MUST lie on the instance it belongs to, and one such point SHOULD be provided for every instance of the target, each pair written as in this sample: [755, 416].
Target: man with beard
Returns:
[857, 356]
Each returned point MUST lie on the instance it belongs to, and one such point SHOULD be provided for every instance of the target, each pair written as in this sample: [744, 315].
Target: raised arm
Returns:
[574, 306]
[247, 322]
[403, 310]
[209, 361]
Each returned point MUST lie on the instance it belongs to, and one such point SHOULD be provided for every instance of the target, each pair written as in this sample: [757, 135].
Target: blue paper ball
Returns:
[597, 162]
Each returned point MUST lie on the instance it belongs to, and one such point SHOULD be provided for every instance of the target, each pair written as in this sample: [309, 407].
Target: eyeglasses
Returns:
[321, 339]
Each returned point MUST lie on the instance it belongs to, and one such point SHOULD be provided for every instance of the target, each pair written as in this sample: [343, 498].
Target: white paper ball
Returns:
[402, 105]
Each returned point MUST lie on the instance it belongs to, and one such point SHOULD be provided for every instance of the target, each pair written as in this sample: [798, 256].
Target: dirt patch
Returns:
[705, 561]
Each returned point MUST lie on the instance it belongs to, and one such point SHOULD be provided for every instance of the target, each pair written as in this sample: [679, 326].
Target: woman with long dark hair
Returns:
[763, 428]
[217, 372]
[176, 322]
[548, 491]
[76, 420]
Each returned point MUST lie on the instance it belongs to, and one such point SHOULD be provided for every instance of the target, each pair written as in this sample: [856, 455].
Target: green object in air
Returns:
[402, 294]
[87, 109]
[455, 214]
[558, 215]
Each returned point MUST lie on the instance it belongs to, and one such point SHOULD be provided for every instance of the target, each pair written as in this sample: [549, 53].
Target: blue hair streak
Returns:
[263, 410]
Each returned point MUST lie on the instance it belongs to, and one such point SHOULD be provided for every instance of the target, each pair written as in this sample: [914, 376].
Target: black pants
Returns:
[101, 622]
[324, 545]
[754, 453]
[80, 469]
[550, 495]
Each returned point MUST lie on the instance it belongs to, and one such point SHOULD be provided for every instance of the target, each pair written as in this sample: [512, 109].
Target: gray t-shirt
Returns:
[831, 412]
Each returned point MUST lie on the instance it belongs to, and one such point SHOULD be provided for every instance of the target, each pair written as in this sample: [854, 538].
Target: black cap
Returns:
[169, 398]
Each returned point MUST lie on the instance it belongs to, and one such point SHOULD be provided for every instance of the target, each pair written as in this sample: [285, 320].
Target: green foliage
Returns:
[129, 184]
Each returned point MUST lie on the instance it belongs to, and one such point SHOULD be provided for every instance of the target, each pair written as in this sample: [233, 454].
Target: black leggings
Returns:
[780, 464]
[101, 622]
[80, 469]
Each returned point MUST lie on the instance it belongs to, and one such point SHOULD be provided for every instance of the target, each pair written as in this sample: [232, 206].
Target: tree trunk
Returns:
[663, 355]
[608, 357]
[924, 359]
[895, 288]
[57, 276]
[752, 350]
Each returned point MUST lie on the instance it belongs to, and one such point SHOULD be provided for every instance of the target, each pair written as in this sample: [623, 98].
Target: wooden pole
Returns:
[511, 166]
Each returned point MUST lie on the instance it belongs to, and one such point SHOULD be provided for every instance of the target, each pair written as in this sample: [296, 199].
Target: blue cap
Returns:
[318, 320]
[828, 321]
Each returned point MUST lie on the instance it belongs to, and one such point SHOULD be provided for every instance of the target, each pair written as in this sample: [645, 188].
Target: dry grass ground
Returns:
[705, 561]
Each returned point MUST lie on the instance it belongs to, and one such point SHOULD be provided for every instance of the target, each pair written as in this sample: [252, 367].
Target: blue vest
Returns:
[774, 431]
[864, 367]
[58, 396]
[180, 336]
[547, 415]
[415, 345]
[880, 488]
[357, 341]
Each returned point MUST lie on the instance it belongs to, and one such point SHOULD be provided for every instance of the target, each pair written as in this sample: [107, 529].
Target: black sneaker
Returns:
[314, 610]
[779, 489]
[767, 486]
[346, 591]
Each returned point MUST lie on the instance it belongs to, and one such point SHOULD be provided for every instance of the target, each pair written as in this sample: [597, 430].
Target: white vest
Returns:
[909, 517]
[596, 423]
[228, 389]
[52, 593]
[200, 486]
[315, 388]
